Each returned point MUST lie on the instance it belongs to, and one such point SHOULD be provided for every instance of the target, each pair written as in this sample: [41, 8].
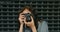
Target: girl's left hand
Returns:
[30, 24]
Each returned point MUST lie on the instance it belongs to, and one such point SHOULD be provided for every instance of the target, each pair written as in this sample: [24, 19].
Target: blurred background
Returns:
[49, 10]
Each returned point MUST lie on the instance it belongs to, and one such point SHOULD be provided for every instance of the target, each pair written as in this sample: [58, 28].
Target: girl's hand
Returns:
[31, 23]
[21, 18]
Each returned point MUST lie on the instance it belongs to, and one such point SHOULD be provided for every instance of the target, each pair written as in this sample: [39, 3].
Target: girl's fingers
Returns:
[25, 21]
[32, 20]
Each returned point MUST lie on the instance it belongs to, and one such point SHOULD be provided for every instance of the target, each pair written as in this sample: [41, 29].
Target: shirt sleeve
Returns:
[44, 27]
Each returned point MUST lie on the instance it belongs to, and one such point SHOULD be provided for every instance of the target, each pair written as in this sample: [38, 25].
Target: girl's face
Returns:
[23, 16]
[25, 12]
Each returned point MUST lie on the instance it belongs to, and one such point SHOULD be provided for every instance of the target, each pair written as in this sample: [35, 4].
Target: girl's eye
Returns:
[22, 18]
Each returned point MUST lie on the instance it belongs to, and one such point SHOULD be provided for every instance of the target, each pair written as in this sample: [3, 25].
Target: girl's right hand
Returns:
[21, 18]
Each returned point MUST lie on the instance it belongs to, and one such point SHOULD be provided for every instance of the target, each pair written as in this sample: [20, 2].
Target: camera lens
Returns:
[28, 18]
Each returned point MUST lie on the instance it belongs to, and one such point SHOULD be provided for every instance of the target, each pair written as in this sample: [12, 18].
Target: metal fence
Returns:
[49, 10]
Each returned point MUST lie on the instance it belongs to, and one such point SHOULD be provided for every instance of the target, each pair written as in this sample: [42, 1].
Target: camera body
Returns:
[28, 17]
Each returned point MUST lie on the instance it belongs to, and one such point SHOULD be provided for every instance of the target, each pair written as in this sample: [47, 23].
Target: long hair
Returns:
[33, 15]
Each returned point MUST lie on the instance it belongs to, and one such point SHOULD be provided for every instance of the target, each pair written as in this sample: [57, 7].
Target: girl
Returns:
[35, 25]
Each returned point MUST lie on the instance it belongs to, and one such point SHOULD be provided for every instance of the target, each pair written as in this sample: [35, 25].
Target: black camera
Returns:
[28, 17]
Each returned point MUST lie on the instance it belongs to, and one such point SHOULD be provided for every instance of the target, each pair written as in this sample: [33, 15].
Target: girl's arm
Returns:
[34, 29]
[21, 28]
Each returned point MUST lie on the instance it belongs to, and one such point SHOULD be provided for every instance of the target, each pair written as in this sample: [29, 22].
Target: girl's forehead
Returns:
[26, 11]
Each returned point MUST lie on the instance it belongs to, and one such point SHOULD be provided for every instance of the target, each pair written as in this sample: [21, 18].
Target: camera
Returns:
[28, 17]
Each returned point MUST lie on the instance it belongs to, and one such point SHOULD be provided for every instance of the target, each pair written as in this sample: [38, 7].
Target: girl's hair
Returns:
[26, 7]
[33, 15]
